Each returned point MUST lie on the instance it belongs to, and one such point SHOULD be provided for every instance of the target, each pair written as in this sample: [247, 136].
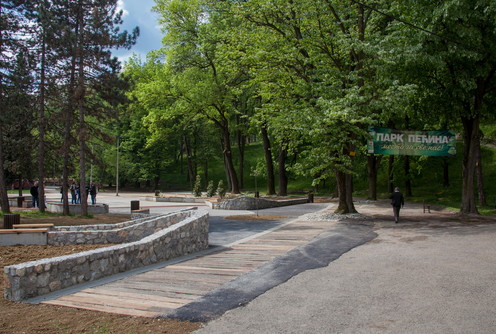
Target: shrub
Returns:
[221, 190]
[197, 187]
[210, 189]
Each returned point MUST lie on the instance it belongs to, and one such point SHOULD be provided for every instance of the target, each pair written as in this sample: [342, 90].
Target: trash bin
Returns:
[310, 198]
[9, 219]
[135, 205]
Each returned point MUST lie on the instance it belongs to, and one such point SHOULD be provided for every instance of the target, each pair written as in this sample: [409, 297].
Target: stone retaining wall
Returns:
[114, 233]
[252, 203]
[36, 278]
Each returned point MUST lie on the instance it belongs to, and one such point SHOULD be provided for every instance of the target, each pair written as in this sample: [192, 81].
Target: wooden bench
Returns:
[32, 226]
[23, 230]
[146, 211]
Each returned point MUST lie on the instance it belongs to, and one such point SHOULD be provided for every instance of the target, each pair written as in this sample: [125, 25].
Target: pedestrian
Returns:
[78, 194]
[93, 192]
[397, 201]
[73, 193]
[34, 194]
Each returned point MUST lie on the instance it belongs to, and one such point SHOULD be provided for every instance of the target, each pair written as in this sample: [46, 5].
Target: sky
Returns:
[139, 13]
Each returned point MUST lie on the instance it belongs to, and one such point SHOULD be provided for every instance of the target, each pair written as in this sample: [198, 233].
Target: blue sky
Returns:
[139, 13]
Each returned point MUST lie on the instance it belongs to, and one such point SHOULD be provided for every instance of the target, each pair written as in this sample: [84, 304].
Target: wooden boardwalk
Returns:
[160, 291]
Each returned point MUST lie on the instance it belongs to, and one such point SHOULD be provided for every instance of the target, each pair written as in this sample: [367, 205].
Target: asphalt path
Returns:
[407, 279]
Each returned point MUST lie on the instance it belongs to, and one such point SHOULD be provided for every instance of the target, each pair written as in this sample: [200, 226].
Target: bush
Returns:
[197, 187]
[210, 189]
[221, 190]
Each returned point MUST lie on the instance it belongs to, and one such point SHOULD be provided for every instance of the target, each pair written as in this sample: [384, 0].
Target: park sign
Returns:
[398, 142]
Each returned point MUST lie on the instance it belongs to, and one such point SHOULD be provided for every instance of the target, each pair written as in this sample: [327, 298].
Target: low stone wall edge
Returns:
[36, 278]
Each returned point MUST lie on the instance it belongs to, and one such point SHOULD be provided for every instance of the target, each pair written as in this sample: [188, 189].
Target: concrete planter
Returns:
[75, 209]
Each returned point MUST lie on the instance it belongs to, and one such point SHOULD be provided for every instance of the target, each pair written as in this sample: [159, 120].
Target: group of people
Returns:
[74, 188]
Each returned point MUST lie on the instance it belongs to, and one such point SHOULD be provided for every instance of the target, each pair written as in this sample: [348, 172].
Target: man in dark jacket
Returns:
[92, 191]
[34, 194]
[397, 201]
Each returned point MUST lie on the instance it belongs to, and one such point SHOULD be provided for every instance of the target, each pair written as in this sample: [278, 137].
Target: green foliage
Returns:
[197, 186]
[221, 190]
[211, 190]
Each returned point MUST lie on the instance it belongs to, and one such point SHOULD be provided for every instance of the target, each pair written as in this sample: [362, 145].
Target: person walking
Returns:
[93, 192]
[34, 194]
[397, 201]
[73, 193]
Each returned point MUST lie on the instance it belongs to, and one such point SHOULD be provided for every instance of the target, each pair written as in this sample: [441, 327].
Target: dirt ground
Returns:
[26, 318]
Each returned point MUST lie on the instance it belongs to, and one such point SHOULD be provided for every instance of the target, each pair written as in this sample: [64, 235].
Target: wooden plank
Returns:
[90, 298]
[129, 295]
[158, 291]
[186, 290]
[146, 292]
[107, 309]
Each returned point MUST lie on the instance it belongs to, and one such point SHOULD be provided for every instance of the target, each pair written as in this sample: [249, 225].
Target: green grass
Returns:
[34, 214]
[426, 178]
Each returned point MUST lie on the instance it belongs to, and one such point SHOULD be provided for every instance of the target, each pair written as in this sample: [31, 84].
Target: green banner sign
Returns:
[397, 142]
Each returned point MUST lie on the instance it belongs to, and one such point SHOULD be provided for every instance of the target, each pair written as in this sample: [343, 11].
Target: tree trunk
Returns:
[80, 97]
[241, 150]
[205, 170]
[345, 195]
[66, 157]
[372, 164]
[3, 188]
[390, 174]
[189, 161]
[41, 130]
[470, 139]
[446, 181]
[269, 163]
[478, 171]
[283, 176]
[229, 162]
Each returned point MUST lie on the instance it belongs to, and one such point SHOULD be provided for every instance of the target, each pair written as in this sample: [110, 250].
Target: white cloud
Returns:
[120, 6]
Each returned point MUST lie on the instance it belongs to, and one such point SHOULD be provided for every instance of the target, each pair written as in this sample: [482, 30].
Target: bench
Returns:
[34, 226]
[141, 211]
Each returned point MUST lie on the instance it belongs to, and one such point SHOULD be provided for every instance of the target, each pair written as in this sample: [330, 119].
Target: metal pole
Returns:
[117, 170]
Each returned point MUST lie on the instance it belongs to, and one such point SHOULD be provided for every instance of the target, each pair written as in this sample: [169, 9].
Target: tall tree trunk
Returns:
[4, 200]
[189, 161]
[205, 170]
[80, 97]
[241, 150]
[345, 194]
[269, 163]
[470, 139]
[446, 180]
[372, 166]
[41, 129]
[478, 171]
[66, 157]
[283, 176]
[390, 174]
[229, 162]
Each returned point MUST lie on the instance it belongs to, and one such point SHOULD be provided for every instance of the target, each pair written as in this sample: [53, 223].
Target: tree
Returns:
[456, 64]
[206, 80]
[11, 22]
